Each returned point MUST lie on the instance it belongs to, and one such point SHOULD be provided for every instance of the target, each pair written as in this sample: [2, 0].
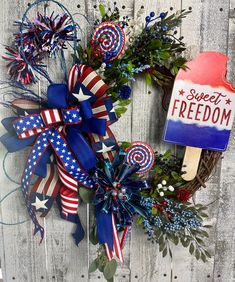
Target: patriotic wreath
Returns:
[74, 153]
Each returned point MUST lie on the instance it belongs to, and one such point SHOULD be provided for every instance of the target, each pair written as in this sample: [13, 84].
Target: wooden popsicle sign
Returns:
[201, 109]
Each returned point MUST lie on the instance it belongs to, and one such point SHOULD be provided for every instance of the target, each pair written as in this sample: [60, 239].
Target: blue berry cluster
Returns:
[179, 218]
[140, 69]
[125, 92]
[151, 17]
[147, 202]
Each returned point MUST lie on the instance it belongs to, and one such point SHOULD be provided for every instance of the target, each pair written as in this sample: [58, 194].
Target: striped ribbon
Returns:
[101, 108]
[117, 243]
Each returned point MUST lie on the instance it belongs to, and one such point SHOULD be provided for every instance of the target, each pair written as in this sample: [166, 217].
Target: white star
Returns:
[39, 204]
[31, 117]
[112, 111]
[105, 149]
[74, 115]
[80, 96]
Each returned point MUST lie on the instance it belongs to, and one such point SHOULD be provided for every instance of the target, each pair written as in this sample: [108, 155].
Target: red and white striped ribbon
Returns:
[49, 186]
[51, 116]
[89, 78]
[69, 192]
[69, 201]
[117, 247]
[67, 179]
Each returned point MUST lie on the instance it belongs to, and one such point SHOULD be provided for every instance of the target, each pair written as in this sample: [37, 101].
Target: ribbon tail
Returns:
[30, 167]
[68, 205]
[46, 189]
[117, 247]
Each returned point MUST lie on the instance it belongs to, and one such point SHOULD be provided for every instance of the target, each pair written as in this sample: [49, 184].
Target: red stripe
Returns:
[108, 252]
[93, 82]
[117, 247]
[66, 181]
[85, 71]
[125, 232]
[51, 175]
[52, 116]
[102, 115]
[102, 90]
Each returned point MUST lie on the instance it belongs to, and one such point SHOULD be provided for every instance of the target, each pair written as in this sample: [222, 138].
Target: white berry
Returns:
[171, 188]
[163, 182]
[159, 186]
[161, 194]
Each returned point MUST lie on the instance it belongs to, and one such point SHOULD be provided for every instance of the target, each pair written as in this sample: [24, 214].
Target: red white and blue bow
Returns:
[90, 91]
[49, 126]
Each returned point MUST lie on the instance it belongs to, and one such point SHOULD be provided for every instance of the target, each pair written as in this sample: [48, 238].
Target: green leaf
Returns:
[110, 269]
[161, 246]
[148, 78]
[125, 145]
[123, 103]
[140, 220]
[203, 257]
[184, 242]
[164, 55]
[93, 266]
[167, 154]
[200, 241]
[197, 254]
[207, 254]
[102, 10]
[154, 44]
[93, 236]
[207, 226]
[120, 111]
[191, 248]
[154, 211]
[204, 233]
[164, 253]
[175, 175]
[86, 195]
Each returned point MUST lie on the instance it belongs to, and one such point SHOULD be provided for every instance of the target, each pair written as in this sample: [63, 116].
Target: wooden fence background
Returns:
[210, 26]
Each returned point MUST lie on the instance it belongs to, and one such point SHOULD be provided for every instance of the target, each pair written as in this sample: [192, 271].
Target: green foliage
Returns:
[157, 47]
[86, 195]
[167, 167]
[189, 237]
[110, 269]
[101, 263]
[93, 235]
[102, 10]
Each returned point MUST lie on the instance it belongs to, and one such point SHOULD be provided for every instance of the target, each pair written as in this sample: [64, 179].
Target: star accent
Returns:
[181, 92]
[105, 148]
[81, 96]
[112, 111]
[228, 101]
[38, 204]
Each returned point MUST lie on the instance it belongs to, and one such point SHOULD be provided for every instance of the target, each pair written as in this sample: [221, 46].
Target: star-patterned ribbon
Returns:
[49, 126]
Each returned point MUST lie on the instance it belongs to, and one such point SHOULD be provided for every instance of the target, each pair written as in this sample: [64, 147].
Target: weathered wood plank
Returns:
[225, 227]
[66, 261]
[148, 119]
[122, 131]
[21, 250]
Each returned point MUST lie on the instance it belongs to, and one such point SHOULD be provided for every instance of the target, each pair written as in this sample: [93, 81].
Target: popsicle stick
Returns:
[190, 163]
